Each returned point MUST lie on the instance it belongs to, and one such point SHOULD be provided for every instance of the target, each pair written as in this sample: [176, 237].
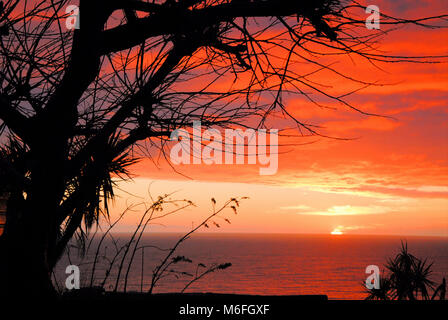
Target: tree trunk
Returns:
[30, 233]
[23, 262]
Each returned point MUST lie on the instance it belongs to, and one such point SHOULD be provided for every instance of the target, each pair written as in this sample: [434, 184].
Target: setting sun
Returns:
[336, 231]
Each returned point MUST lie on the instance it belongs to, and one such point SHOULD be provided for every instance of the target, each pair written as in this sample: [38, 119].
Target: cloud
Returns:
[372, 123]
[434, 192]
[348, 210]
[297, 208]
[342, 229]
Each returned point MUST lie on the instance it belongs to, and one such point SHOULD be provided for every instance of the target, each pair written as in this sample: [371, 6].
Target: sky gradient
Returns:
[391, 177]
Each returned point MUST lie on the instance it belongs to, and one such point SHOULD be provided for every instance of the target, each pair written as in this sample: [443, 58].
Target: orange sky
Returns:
[391, 179]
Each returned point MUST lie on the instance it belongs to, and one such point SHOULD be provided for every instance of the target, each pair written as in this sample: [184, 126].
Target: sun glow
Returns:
[336, 231]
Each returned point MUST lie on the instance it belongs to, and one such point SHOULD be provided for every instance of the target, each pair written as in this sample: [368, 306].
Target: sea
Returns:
[261, 264]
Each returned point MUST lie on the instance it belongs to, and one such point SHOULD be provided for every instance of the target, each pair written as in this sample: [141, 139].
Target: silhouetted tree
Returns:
[408, 278]
[78, 106]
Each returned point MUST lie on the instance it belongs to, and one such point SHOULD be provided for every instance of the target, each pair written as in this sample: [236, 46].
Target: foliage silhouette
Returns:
[77, 107]
[111, 278]
[408, 278]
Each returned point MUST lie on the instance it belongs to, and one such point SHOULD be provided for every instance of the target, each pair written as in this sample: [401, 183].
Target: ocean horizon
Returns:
[262, 264]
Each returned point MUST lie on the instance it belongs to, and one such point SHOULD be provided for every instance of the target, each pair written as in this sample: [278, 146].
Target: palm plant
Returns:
[409, 275]
[382, 293]
[441, 291]
[408, 279]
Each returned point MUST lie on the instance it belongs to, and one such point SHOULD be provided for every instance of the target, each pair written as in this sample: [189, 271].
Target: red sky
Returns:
[391, 179]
